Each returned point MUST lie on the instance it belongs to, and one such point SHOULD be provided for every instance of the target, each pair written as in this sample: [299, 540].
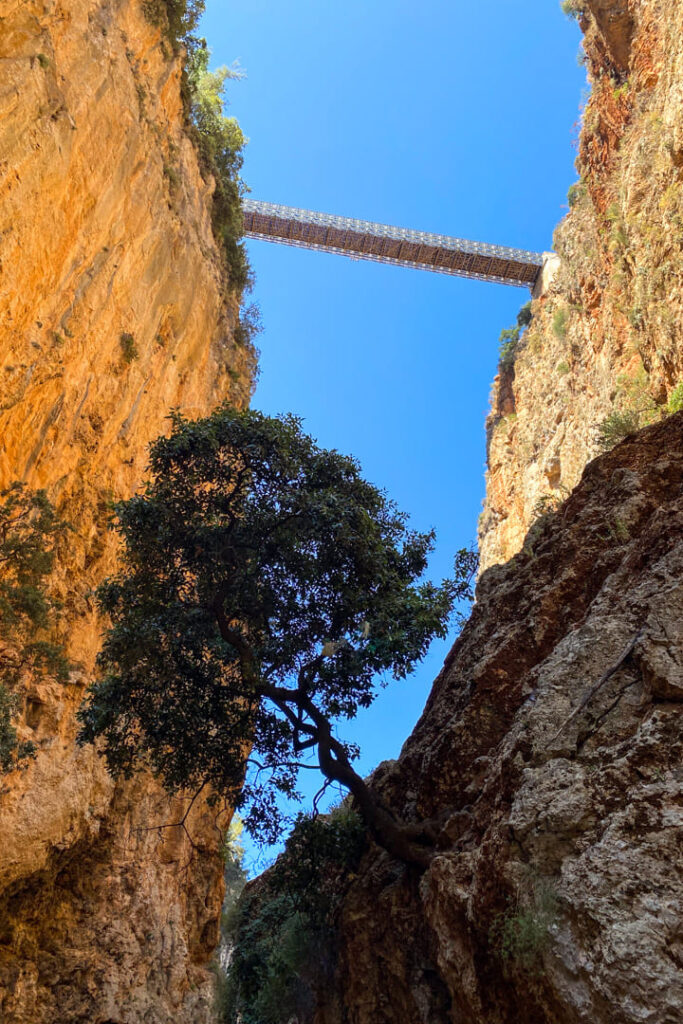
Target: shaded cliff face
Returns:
[553, 737]
[606, 333]
[114, 309]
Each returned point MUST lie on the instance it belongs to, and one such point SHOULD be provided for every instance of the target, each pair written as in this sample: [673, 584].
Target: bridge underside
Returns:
[365, 240]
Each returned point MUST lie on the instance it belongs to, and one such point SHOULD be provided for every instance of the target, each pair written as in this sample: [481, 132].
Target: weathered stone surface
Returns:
[105, 230]
[554, 735]
[606, 333]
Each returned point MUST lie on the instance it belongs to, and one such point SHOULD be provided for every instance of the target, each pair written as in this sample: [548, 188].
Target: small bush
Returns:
[509, 338]
[636, 317]
[284, 928]
[12, 753]
[575, 193]
[525, 316]
[562, 368]
[572, 8]
[521, 935]
[547, 505]
[179, 18]
[218, 139]
[508, 341]
[43, 60]
[171, 175]
[675, 403]
[129, 350]
[560, 318]
[220, 143]
[248, 326]
[29, 532]
[617, 427]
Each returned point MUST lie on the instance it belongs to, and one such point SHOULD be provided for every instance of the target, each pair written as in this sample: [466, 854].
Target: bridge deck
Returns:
[365, 240]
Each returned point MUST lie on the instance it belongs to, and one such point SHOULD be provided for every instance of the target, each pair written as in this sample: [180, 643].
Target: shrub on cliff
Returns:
[283, 929]
[573, 8]
[265, 587]
[29, 531]
[220, 142]
[509, 338]
[219, 139]
[178, 17]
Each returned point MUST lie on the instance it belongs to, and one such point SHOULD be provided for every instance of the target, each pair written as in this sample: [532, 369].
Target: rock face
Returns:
[606, 333]
[553, 737]
[114, 309]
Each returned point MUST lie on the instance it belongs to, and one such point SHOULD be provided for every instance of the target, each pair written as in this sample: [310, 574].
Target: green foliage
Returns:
[572, 8]
[12, 753]
[575, 193]
[43, 60]
[618, 236]
[618, 426]
[284, 939]
[562, 368]
[560, 317]
[248, 326]
[675, 402]
[522, 933]
[509, 338]
[219, 139]
[635, 409]
[547, 505]
[29, 531]
[220, 142]
[620, 89]
[265, 586]
[465, 568]
[129, 350]
[525, 316]
[179, 18]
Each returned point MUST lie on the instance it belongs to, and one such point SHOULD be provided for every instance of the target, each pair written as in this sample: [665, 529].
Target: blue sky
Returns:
[440, 116]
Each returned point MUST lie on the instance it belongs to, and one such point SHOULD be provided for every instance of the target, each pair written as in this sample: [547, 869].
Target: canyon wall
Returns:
[605, 334]
[552, 745]
[114, 309]
[551, 742]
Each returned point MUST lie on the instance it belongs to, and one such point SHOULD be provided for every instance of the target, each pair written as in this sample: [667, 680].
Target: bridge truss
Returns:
[365, 240]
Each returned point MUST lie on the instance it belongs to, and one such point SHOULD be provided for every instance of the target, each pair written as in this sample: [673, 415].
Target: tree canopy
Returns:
[265, 588]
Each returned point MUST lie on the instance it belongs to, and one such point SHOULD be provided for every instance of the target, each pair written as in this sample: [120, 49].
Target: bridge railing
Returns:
[383, 243]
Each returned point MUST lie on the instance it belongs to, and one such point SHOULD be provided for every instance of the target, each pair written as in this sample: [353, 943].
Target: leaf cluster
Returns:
[220, 145]
[616, 427]
[509, 338]
[29, 532]
[284, 939]
[179, 18]
[218, 139]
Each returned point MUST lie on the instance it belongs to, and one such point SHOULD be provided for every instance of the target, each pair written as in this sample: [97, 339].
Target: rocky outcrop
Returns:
[114, 309]
[553, 739]
[606, 333]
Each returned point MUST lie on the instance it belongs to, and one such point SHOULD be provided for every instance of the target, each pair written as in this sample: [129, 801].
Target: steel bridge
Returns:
[365, 240]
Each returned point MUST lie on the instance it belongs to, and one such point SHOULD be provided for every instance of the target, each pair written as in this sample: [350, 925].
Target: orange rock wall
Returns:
[606, 333]
[104, 231]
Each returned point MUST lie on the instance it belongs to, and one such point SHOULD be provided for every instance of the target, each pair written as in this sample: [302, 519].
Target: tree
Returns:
[29, 531]
[265, 586]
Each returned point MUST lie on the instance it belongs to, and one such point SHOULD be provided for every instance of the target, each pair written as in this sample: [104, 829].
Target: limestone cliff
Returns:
[553, 738]
[606, 332]
[114, 309]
